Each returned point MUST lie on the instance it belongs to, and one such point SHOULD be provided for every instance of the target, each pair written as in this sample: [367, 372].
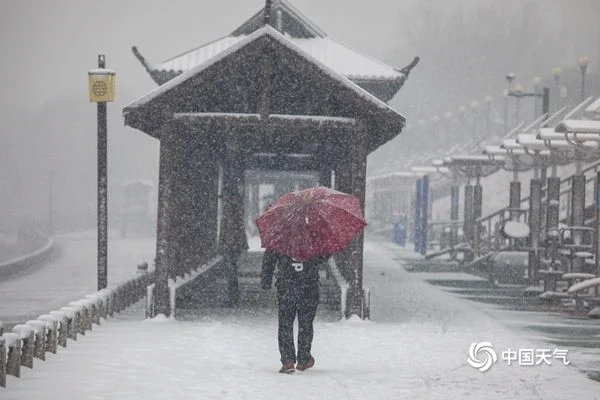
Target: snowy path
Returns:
[71, 276]
[415, 348]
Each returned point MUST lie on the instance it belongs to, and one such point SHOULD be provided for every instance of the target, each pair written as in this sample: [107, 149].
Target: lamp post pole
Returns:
[583, 63]
[536, 89]
[488, 115]
[509, 79]
[556, 75]
[102, 191]
[101, 91]
[475, 109]
[518, 89]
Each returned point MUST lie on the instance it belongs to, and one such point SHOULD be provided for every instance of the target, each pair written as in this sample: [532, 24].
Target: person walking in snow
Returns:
[297, 296]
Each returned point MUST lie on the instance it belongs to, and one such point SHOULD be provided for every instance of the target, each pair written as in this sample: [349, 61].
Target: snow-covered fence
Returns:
[35, 338]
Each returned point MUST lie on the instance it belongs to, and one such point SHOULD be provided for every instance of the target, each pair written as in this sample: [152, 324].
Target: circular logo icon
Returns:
[482, 356]
[99, 88]
[298, 266]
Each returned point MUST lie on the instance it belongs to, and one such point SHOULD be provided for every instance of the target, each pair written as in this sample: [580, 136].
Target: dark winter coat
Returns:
[289, 272]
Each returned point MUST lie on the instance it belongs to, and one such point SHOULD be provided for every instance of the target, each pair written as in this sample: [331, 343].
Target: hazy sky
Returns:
[47, 47]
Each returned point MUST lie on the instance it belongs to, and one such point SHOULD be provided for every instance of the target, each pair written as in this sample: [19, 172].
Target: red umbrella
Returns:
[310, 223]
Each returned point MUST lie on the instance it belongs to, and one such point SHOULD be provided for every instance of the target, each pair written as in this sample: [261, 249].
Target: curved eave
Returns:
[382, 88]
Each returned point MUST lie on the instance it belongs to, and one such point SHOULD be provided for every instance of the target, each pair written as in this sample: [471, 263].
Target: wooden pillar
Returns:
[233, 239]
[358, 173]
[182, 205]
[165, 205]
[350, 177]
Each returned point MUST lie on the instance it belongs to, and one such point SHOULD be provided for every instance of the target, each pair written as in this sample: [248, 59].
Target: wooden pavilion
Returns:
[277, 95]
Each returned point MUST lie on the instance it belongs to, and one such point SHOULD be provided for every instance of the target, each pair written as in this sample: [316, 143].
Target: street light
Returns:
[583, 63]
[536, 89]
[488, 101]
[475, 108]
[510, 77]
[519, 93]
[556, 72]
[101, 86]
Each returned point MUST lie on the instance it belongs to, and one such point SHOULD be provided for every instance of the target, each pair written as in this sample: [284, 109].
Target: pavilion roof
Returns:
[377, 77]
[139, 114]
[343, 60]
[265, 31]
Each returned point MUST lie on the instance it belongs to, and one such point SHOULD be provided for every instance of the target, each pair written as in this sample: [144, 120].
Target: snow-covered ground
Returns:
[72, 275]
[415, 347]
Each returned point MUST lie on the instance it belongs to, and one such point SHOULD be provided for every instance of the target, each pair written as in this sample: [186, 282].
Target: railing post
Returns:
[39, 346]
[454, 211]
[535, 219]
[63, 329]
[514, 200]
[418, 209]
[577, 216]
[2, 361]
[73, 318]
[13, 348]
[477, 210]
[27, 337]
[597, 237]
[51, 339]
[468, 213]
[553, 202]
[424, 213]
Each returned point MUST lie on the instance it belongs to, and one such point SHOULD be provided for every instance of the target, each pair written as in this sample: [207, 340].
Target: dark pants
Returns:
[301, 301]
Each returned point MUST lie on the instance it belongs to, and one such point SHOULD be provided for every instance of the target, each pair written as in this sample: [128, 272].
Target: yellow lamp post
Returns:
[101, 86]
[583, 62]
[556, 72]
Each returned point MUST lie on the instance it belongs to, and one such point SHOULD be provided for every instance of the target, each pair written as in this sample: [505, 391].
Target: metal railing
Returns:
[496, 219]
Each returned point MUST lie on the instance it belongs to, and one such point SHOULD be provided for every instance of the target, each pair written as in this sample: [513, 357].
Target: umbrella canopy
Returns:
[310, 223]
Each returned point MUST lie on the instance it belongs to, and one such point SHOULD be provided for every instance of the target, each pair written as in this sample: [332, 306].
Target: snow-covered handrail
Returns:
[34, 338]
[341, 282]
[180, 284]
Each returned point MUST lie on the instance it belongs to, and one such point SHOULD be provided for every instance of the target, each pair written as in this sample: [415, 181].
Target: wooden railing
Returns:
[34, 338]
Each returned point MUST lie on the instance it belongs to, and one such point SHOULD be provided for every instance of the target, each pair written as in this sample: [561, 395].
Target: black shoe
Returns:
[287, 368]
[306, 365]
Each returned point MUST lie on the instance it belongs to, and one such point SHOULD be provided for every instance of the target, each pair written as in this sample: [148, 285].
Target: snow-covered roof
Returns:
[398, 174]
[552, 134]
[430, 170]
[593, 110]
[343, 60]
[578, 126]
[265, 31]
[291, 23]
[472, 159]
